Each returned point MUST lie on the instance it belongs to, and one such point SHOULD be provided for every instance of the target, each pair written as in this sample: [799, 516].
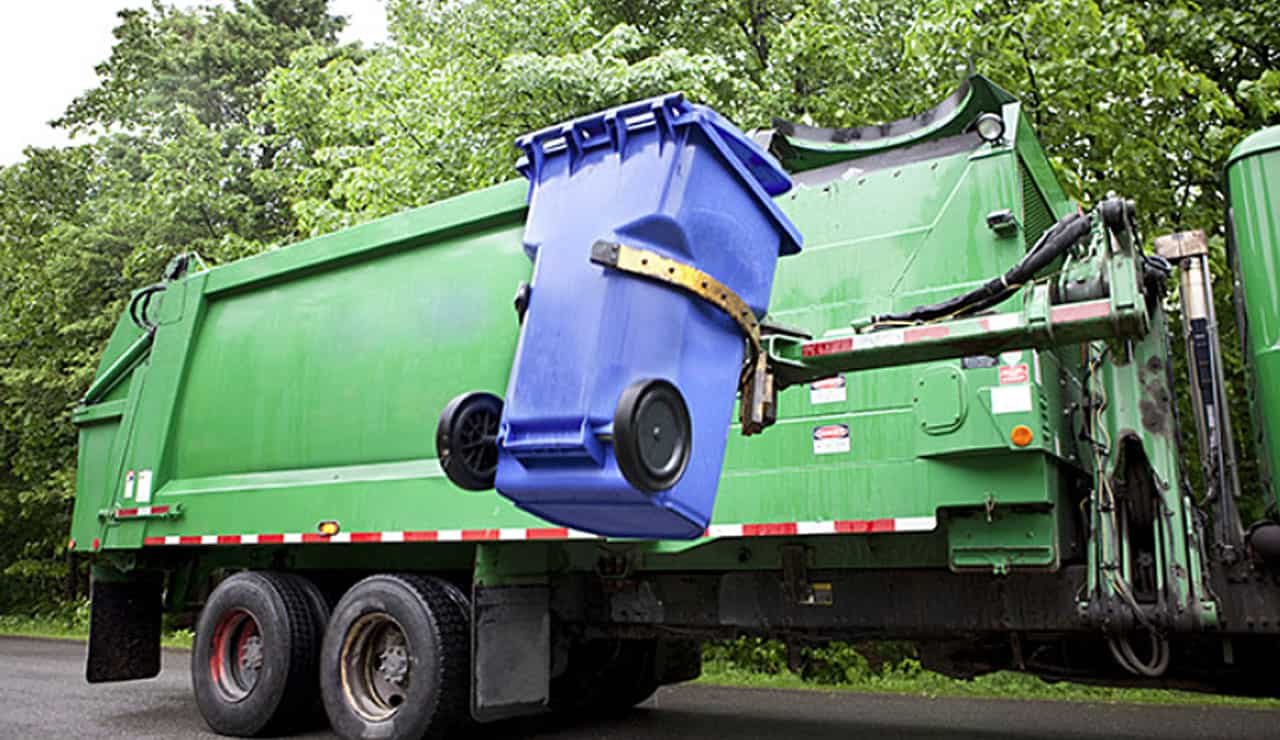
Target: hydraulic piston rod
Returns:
[1190, 251]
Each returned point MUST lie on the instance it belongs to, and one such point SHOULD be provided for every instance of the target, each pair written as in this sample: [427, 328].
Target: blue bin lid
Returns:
[757, 168]
[758, 162]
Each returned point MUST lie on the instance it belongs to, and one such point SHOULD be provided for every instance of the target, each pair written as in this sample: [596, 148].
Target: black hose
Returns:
[140, 304]
[1055, 241]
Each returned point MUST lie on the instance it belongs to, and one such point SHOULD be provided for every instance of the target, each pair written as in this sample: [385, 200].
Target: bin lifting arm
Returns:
[1097, 295]
[755, 384]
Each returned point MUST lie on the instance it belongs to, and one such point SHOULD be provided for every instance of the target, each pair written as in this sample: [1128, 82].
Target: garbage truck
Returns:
[524, 450]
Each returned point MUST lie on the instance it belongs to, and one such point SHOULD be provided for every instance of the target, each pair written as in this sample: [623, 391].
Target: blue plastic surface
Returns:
[660, 174]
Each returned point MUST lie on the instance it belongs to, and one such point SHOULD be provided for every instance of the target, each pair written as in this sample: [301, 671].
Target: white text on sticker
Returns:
[831, 439]
[828, 390]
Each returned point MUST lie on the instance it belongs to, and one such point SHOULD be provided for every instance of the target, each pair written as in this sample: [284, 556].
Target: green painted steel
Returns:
[303, 385]
[1253, 180]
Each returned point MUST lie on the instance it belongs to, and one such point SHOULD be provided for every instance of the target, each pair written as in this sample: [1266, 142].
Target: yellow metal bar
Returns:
[756, 382]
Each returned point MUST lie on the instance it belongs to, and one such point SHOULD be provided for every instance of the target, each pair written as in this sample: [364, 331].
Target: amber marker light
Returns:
[1021, 435]
[329, 528]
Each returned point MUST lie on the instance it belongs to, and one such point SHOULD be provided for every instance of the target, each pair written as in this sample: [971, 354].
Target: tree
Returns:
[228, 131]
[177, 166]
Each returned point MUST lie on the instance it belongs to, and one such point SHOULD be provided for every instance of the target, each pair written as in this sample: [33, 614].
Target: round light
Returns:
[990, 127]
[329, 528]
[1021, 435]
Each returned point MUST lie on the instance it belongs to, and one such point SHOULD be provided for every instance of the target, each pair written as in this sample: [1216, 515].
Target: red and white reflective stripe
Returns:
[920, 333]
[775, 529]
[840, 526]
[888, 338]
[141, 511]
[1080, 311]
[1000, 321]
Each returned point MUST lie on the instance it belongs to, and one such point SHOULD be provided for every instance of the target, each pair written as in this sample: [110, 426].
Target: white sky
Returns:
[48, 49]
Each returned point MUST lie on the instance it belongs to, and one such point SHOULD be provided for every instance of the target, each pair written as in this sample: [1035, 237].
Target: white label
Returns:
[144, 486]
[1012, 357]
[828, 390]
[1002, 321]
[831, 439]
[1011, 399]
[1035, 364]
[128, 484]
[889, 338]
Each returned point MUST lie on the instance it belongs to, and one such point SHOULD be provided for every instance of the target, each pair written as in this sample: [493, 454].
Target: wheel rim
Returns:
[236, 660]
[467, 440]
[376, 667]
[477, 430]
[661, 437]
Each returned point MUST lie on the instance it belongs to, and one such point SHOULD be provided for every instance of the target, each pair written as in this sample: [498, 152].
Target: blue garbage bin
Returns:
[605, 356]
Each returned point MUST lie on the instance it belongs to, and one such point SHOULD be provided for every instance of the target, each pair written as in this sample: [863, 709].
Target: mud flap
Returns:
[511, 651]
[124, 626]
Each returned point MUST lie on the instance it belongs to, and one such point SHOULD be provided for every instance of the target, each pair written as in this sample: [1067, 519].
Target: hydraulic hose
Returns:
[140, 304]
[1054, 242]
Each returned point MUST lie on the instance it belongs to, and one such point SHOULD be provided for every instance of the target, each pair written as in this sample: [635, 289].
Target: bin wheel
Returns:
[396, 661]
[253, 665]
[467, 440]
[652, 435]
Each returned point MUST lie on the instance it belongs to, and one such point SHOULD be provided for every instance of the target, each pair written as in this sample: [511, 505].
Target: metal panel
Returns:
[511, 648]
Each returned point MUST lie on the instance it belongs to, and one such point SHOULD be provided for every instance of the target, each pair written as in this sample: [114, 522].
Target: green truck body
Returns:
[278, 413]
[303, 385]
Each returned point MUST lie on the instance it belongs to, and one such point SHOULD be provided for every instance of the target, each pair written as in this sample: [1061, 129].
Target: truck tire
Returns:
[396, 660]
[253, 665]
[313, 716]
[606, 677]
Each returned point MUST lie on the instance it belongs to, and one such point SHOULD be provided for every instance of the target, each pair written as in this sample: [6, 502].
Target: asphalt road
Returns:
[43, 695]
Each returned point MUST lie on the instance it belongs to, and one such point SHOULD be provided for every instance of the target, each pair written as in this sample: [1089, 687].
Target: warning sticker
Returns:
[128, 484]
[1011, 357]
[144, 486]
[831, 439]
[1010, 374]
[828, 390]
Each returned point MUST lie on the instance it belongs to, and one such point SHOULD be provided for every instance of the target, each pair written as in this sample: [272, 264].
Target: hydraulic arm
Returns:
[1095, 293]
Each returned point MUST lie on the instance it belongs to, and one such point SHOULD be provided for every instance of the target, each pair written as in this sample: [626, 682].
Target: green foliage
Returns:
[832, 663]
[906, 676]
[230, 130]
[178, 166]
[67, 619]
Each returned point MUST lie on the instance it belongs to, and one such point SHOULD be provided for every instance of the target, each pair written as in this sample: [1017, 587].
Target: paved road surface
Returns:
[43, 695]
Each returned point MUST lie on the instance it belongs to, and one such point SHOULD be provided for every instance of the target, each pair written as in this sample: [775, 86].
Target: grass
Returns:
[915, 681]
[754, 663]
[71, 622]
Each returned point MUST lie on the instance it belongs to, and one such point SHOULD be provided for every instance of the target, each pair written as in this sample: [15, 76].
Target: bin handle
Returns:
[759, 398]
[613, 120]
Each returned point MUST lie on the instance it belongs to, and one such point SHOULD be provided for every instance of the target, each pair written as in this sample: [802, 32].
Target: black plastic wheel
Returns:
[466, 440]
[652, 435]
[396, 661]
[253, 665]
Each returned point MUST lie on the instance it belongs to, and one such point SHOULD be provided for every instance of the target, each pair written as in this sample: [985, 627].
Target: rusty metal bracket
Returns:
[756, 385]
[795, 578]
[1182, 244]
[136, 513]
